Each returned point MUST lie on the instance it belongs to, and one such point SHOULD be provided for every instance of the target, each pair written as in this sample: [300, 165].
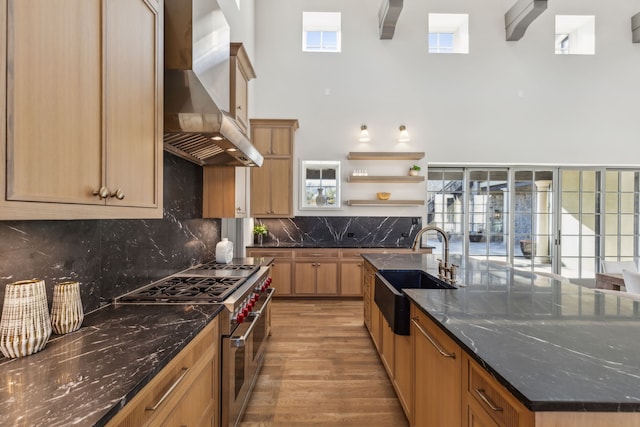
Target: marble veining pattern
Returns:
[85, 377]
[112, 257]
[336, 231]
[555, 345]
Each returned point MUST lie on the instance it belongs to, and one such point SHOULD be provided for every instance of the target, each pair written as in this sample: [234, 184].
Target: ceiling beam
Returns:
[521, 15]
[635, 28]
[388, 17]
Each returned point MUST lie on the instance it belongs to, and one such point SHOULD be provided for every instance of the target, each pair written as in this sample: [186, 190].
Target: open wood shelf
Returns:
[385, 155]
[386, 179]
[385, 202]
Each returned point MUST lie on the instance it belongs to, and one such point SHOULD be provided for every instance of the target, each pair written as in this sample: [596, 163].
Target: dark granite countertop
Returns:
[328, 245]
[84, 378]
[555, 345]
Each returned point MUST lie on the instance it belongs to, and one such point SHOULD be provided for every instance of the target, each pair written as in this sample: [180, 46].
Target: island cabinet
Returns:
[368, 287]
[272, 183]
[81, 116]
[316, 272]
[437, 371]
[486, 403]
[185, 392]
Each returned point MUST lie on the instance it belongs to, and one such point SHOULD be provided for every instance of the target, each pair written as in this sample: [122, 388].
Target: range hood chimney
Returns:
[197, 126]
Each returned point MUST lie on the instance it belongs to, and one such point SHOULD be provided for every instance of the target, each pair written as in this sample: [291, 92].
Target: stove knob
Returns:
[245, 311]
[240, 318]
[268, 281]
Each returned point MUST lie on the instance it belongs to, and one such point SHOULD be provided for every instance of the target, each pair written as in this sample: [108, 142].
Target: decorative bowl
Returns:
[383, 196]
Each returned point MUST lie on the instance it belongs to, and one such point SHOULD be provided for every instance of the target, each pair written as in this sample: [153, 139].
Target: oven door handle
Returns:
[242, 341]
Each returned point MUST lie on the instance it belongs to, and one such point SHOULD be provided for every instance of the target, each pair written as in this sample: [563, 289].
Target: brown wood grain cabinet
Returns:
[485, 402]
[272, 184]
[81, 114]
[437, 372]
[224, 192]
[185, 392]
[281, 269]
[316, 272]
[241, 72]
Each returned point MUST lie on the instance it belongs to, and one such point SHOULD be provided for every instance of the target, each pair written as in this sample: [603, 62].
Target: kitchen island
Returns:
[565, 352]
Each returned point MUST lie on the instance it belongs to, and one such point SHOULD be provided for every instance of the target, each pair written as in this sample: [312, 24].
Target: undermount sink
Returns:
[389, 298]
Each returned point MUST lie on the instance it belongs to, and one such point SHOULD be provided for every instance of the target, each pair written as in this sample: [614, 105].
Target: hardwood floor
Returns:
[321, 369]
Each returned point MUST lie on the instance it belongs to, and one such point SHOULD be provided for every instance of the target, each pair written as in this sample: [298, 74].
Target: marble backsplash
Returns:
[112, 257]
[347, 231]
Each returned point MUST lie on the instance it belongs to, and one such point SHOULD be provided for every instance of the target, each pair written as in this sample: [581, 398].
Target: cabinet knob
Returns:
[118, 194]
[102, 193]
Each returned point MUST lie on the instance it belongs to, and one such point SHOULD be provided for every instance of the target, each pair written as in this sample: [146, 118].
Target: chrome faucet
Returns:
[446, 271]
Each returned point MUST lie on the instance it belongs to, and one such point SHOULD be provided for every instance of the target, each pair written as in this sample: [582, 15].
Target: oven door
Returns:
[242, 357]
[262, 329]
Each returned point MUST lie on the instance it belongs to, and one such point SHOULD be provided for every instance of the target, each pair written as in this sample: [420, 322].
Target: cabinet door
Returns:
[403, 376]
[241, 97]
[388, 348]
[261, 139]
[281, 141]
[54, 104]
[305, 282]
[437, 389]
[133, 106]
[281, 187]
[281, 274]
[261, 189]
[327, 278]
[219, 195]
[376, 326]
[351, 278]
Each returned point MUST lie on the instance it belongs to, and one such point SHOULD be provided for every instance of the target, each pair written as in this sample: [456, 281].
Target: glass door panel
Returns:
[579, 203]
[445, 208]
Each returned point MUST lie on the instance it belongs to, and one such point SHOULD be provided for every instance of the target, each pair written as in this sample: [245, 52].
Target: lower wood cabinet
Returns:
[281, 269]
[186, 392]
[316, 278]
[351, 278]
[437, 372]
[485, 402]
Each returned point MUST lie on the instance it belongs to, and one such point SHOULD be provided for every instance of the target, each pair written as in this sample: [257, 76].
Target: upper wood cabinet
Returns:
[273, 138]
[241, 72]
[81, 114]
[272, 183]
[224, 192]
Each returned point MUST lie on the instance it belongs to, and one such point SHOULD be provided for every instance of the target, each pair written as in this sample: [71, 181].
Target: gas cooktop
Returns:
[189, 289]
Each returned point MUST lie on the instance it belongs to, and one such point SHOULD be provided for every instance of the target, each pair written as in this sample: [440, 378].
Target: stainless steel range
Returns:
[245, 324]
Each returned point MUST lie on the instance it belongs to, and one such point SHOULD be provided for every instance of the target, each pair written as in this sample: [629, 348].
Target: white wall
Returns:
[504, 102]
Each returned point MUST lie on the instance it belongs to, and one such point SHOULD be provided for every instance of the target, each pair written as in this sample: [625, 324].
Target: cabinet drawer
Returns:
[271, 253]
[316, 253]
[163, 393]
[496, 401]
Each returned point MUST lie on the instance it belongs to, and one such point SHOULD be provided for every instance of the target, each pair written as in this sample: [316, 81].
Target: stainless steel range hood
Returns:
[197, 126]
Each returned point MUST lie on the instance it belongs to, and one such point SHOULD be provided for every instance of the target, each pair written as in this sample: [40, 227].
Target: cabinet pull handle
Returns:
[102, 193]
[169, 391]
[485, 399]
[118, 194]
[432, 340]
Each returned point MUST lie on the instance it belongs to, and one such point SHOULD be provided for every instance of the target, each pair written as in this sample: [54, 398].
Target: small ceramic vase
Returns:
[66, 311]
[25, 325]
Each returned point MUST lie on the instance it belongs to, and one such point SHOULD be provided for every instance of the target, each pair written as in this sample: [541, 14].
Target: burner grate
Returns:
[183, 289]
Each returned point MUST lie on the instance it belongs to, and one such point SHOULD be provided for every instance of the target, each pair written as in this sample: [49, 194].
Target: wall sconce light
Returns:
[404, 134]
[364, 134]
